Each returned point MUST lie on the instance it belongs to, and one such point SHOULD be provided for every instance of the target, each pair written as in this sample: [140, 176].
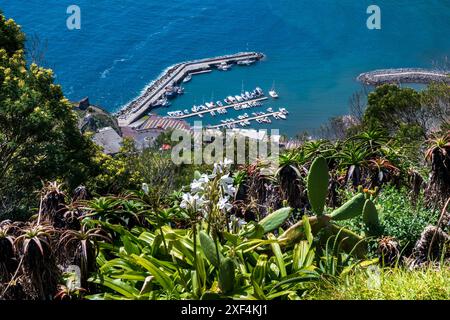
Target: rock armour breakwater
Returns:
[407, 75]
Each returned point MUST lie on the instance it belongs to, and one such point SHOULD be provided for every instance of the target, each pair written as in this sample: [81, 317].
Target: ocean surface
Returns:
[315, 49]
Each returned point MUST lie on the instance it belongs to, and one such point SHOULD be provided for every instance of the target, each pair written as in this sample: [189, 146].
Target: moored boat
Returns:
[188, 78]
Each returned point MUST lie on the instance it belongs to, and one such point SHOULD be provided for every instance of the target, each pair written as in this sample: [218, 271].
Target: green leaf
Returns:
[276, 249]
[209, 249]
[118, 286]
[275, 220]
[161, 277]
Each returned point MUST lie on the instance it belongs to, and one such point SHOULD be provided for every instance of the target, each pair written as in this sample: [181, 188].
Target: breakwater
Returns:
[173, 76]
[409, 75]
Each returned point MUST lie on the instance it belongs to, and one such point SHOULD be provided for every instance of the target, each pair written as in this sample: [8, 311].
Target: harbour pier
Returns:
[410, 75]
[172, 76]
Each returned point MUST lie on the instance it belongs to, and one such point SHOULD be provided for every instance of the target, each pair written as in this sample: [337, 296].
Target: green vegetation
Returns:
[388, 284]
[94, 118]
[39, 138]
[362, 216]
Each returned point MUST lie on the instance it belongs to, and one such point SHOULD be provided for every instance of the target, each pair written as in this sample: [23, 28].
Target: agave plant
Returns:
[52, 204]
[38, 258]
[353, 157]
[291, 175]
[8, 262]
[373, 138]
[80, 248]
[438, 189]
[382, 171]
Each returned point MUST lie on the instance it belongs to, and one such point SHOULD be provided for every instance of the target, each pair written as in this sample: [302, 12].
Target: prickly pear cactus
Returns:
[318, 180]
[370, 218]
[350, 209]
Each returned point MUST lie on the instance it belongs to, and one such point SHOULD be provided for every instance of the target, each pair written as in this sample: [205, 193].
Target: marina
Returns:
[156, 94]
[238, 102]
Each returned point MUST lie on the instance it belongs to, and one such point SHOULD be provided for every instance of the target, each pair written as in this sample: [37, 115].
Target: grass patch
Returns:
[387, 284]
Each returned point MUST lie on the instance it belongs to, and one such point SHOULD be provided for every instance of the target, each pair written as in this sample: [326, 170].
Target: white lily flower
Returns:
[226, 179]
[197, 186]
[145, 188]
[229, 190]
[224, 204]
[194, 202]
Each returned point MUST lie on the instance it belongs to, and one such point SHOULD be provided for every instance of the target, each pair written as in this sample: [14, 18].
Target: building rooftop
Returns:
[156, 122]
[108, 139]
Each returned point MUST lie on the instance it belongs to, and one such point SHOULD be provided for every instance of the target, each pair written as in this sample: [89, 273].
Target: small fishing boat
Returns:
[245, 62]
[272, 92]
[284, 111]
[224, 66]
[188, 78]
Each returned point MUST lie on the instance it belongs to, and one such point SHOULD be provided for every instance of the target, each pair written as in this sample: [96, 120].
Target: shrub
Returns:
[399, 218]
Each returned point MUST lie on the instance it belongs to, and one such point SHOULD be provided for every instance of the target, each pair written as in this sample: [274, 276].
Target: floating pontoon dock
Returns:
[194, 114]
[266, 115]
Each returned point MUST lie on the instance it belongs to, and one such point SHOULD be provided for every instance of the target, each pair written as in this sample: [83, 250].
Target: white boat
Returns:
[232, 99]
[212, 113]
[219, 103]
[269, 109]
[284, 111]
[246, 62]
[186, 111]
[282, 116]
[272, 92]
[194, 109]
[224, 66]
[188, 78]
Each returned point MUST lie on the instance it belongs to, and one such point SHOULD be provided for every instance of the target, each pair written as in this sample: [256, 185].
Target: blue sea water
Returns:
[314, 49]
